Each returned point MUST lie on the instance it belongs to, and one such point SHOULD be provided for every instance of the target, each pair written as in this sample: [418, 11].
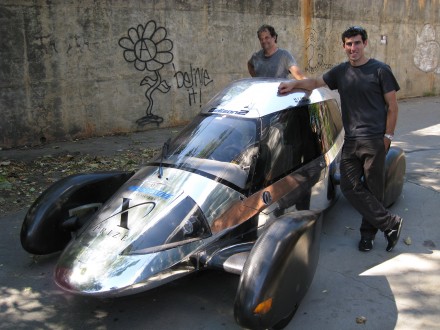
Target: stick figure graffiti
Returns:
[149, 49]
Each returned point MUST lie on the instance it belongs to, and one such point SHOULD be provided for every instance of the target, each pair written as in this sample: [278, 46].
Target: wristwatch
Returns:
[389, 136]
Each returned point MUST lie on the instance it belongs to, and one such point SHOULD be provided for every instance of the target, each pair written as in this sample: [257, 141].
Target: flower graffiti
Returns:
[149, 49]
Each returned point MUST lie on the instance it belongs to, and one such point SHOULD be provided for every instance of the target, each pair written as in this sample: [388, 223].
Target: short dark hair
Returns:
[354, 31]
[269, 29]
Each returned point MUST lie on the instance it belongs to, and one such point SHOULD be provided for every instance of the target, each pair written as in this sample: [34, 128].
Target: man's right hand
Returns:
[307, 84]
[286, 87]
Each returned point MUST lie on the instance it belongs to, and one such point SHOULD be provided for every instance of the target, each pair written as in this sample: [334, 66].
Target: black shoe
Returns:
[392, 235]
[365, 244]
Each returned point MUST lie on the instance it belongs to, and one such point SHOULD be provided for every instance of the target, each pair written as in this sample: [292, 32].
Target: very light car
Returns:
[242, 188]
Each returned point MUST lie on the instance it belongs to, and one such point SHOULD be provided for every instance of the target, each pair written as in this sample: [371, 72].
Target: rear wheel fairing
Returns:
[279, 270]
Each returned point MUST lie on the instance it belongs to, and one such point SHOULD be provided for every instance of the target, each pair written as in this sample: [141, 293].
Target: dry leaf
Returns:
[361, 320]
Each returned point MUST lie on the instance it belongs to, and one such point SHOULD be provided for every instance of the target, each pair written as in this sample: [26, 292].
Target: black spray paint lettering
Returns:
[193, 80]
[192, 95]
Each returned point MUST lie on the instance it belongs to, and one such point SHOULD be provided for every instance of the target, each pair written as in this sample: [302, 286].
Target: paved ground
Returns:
[397, 290]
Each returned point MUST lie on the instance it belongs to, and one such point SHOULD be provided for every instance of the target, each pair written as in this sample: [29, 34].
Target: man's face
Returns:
[267, 42]
[354, 48]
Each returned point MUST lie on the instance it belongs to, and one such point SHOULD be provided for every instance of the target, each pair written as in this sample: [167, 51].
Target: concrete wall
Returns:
[74, 69]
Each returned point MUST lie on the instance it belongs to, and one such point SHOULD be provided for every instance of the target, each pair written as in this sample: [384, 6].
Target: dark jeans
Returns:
[362, 183]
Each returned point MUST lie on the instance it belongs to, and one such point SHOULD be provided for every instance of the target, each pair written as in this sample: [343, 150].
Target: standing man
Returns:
[369, 113]
[271, 61]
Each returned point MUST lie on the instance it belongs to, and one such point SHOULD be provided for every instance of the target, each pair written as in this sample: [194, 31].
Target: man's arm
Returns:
[308, 84]
[251, 69]
[297, 73]
[393, 110]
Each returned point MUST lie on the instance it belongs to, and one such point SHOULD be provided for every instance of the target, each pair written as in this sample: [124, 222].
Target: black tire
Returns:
[395, 168]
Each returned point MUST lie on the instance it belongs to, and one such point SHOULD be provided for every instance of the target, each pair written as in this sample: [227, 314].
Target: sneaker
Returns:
[365, 244]
[392, 235]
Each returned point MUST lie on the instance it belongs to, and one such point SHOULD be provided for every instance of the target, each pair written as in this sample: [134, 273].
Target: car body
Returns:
[242, 188]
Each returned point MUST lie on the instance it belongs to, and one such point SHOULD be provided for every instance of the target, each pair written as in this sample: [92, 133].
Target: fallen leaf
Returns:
[361, 320]
[429, 244]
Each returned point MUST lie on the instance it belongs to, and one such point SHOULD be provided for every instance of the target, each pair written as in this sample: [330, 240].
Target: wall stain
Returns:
[307, 14]
[427, 51]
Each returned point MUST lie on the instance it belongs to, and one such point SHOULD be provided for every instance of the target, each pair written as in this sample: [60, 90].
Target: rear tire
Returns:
[395, 168]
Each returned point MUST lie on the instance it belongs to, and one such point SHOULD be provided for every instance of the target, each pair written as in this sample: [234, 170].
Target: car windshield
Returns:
[217, 145]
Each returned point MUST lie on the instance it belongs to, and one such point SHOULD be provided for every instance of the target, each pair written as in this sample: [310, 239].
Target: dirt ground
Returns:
[22, 181]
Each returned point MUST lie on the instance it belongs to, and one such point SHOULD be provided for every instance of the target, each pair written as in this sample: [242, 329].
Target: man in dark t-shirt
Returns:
[367, 88]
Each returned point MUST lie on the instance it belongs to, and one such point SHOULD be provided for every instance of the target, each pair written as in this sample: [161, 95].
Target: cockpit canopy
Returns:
[249, 147]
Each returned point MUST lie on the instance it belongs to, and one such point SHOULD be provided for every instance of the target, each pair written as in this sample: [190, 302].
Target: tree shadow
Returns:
[386, 289]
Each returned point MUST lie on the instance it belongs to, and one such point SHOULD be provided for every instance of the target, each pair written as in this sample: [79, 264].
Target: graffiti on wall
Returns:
[427, 51]
[316, 61]
[45, 44]
[48, 44]
[193, 81]
[149, 50]
[77, 43]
